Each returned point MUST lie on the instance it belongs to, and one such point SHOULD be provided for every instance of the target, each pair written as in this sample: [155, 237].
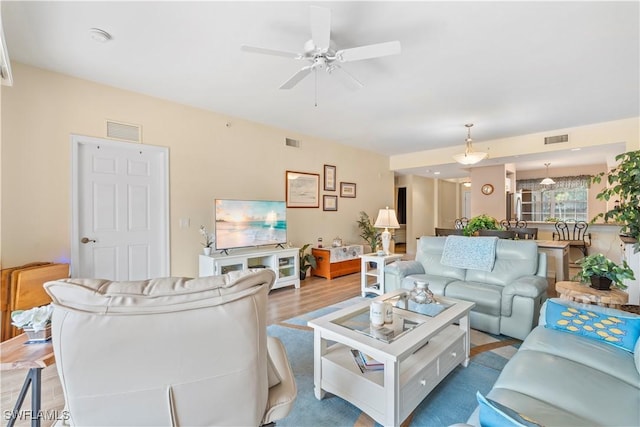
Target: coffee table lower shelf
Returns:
[419, 374]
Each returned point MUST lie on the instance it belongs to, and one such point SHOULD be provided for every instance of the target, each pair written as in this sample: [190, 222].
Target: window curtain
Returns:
[562, 183]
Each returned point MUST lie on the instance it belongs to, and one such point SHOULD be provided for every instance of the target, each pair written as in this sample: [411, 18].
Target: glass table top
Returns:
[359, 320]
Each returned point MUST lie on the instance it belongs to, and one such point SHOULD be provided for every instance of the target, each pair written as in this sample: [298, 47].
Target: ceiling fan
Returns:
[322, 54]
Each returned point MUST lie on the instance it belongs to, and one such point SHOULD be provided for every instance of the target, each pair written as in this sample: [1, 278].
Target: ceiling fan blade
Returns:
[272, 52]
[297, 77]
[369, 51]
[345, 77]
[321, 27]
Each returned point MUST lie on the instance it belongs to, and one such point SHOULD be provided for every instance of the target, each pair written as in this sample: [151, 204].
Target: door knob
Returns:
[87, 240]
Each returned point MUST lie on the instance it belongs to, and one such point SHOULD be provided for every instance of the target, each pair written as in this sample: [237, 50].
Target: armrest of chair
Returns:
[398, 270]
[283, 394]
[542, 265]
[526, 286]
[587, 236]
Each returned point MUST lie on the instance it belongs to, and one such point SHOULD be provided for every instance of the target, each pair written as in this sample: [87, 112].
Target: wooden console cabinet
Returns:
[336, 262]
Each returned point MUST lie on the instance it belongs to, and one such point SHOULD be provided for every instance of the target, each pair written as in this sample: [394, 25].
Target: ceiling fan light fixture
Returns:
[469, 157]
[547, 180]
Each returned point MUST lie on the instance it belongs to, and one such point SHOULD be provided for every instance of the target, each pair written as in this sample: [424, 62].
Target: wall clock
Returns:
[487, 189]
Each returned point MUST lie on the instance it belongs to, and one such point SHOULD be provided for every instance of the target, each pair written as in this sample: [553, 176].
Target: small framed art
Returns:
[329, 203]
[303, 189]
[329, 178]
[348, 189]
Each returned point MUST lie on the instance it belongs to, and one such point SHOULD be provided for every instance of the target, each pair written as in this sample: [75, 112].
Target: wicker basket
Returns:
[37, 336]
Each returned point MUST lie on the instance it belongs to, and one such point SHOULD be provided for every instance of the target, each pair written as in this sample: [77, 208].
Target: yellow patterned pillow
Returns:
[611, 326]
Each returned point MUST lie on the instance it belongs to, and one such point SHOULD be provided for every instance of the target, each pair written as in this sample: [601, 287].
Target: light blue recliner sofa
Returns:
[579, 367]
[508, 296]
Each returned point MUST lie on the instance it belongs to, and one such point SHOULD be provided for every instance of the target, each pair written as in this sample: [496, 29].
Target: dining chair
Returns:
[508, 224]
[501, 234]
[449, 231]
[577, 235]
[461, 223]
[526, 233]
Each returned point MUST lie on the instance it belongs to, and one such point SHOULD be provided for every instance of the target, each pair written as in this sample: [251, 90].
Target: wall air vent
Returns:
[124, 131]
[556, 139]
[291, 142]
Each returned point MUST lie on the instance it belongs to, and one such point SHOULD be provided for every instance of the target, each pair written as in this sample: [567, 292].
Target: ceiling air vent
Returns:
[291, 142]
[556, 139]
[124, 131]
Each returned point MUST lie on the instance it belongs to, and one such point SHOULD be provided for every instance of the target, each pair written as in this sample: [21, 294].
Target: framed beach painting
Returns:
[302, 189]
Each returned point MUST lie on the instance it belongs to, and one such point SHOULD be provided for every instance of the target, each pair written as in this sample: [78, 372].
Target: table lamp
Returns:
[386, 219]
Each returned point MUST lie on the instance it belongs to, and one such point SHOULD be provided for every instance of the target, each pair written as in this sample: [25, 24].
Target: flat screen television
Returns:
[246, 223]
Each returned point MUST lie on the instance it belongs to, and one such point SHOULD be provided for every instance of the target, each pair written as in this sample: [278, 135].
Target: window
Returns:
[565, 200]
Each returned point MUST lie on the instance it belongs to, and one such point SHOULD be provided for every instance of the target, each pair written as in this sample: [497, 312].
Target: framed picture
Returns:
[303, 189]
[329, 203]
[348, 189]
[329, 178]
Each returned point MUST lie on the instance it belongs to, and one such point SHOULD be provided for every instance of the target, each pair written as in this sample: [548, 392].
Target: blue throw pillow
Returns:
[606, 325]
[494, 414]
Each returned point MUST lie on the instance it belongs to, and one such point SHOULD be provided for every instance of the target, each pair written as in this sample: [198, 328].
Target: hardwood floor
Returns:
[314, 293]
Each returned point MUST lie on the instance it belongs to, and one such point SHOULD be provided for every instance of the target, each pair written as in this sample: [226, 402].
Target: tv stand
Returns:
[280, 245]
[284, 262]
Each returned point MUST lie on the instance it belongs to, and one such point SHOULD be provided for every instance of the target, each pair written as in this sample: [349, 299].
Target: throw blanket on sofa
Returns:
[476, 253]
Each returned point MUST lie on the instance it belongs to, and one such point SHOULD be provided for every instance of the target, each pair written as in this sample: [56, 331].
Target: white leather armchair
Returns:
[171, 351]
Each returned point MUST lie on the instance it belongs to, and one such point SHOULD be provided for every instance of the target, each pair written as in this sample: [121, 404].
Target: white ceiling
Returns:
[511, 68]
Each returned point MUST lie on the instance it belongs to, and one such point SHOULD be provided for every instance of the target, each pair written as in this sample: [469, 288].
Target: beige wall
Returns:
[625, 130]
[208, 160]
[494, 204]
[448, 202]
[420, 207]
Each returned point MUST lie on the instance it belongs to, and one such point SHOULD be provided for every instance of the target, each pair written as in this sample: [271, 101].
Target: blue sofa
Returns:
[565, 374]
[508, 294]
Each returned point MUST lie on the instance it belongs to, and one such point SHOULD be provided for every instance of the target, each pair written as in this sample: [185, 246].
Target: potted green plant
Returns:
[624, 188]
[306, 260]
[368, 232]
[480, 222]
[603, 273]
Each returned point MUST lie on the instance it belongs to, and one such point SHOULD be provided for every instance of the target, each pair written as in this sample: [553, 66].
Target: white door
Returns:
[120, 210]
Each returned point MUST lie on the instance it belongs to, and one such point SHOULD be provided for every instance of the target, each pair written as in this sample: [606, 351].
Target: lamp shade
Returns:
[470, 158]
[386, 219]
[547, 180]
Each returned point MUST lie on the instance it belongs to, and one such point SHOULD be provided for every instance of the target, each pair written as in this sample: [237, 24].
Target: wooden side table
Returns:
[576, 291]
[15, 354]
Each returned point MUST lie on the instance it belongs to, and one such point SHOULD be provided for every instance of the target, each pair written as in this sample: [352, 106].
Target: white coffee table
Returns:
[414, 363]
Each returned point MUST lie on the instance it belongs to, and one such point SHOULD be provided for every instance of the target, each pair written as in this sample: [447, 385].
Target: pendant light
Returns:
[469, 157]
[547, 180]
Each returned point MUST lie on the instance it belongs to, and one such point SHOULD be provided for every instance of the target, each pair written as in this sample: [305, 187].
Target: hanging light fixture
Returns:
[469, 157]
[547, 180]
